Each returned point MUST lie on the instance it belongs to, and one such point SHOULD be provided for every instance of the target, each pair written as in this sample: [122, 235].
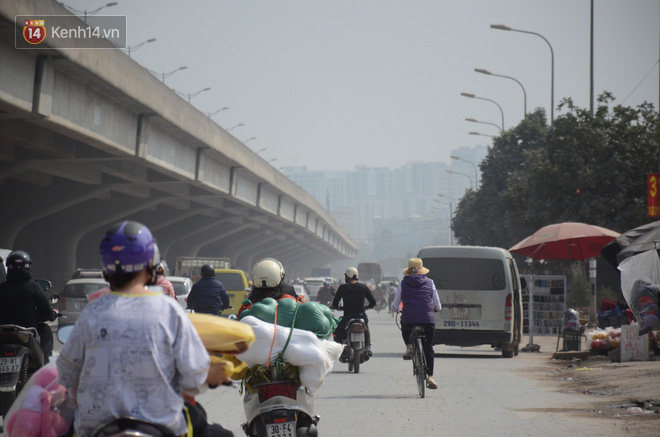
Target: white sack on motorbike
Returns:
[312, 355]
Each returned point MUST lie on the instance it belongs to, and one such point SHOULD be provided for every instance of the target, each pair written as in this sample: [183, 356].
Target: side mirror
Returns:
[523, 282]
[63, 333]
[44, 284]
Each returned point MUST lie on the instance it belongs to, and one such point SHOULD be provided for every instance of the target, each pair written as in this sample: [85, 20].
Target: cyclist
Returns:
[420, 300]
[353, 293]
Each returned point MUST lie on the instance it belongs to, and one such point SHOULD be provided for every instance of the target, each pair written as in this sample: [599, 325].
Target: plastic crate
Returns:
[572, 341]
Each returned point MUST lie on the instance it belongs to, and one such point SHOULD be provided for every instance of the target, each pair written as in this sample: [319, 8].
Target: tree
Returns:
[588, 169]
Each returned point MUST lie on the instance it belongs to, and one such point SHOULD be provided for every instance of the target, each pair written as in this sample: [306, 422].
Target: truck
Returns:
[190, 266]
[370, 271]
[321, 271]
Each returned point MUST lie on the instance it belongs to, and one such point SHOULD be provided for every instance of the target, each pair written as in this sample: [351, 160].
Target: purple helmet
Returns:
[127, 247]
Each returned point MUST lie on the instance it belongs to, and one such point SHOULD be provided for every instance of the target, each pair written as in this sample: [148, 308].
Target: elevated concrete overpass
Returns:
[89, 137]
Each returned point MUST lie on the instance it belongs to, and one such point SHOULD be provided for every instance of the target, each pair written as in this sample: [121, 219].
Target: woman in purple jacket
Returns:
[420, 300]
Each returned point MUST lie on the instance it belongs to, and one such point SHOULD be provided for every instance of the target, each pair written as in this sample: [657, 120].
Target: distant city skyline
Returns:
[405, 207]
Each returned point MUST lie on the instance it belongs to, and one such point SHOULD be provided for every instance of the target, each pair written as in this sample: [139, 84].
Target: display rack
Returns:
[548, 306]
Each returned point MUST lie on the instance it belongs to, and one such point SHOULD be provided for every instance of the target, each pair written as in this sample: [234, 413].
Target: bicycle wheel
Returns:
[420, 368]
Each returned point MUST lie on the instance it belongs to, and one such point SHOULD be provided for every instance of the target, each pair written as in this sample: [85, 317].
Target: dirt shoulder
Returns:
[623, 397]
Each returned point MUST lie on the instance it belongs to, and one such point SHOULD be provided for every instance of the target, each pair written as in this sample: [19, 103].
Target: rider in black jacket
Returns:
[208, 295]
[23, 302]
[353, 293]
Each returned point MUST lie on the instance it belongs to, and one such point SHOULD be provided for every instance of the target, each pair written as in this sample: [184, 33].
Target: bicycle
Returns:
[417, 339]
[419, 360]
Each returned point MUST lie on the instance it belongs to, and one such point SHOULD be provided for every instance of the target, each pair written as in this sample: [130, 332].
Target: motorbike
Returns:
[276, 404]
[381, 303]
[20, 357]
[355, 351]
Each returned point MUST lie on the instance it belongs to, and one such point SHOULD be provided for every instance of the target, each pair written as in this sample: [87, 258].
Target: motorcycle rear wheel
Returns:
[356, 360]
[6, 400]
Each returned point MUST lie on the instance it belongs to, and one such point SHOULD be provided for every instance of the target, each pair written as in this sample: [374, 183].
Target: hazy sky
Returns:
[332, 84]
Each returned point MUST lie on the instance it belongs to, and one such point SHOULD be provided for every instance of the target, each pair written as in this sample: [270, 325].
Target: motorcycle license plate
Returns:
[357, 337]
[10, 365]
[284, 429]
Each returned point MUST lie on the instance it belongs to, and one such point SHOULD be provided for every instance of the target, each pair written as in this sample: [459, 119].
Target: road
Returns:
[480, 394]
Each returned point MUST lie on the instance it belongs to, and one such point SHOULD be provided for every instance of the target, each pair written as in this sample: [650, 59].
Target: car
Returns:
[481, 294]
[87, 273]
[73, 298]
[313, 285]
[182, 287]
[300, 291]
[236, 286]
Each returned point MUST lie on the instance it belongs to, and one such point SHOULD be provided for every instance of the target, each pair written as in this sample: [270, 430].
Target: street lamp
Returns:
[190, 96]
[472, 96]
[249, 139]
[166, 75]
[234, 127]
[211, 114]
[476, 173]
[274, 159]
[260, 150]
[86, 13]
[484, 122]
[483, 71]
[552, 65]
[483, 135]
[467, 176]
[137, 46]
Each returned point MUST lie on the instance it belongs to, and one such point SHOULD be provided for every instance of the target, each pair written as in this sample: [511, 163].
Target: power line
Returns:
[640, 82]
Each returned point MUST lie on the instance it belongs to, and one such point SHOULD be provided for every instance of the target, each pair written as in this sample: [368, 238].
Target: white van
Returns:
[481, 296]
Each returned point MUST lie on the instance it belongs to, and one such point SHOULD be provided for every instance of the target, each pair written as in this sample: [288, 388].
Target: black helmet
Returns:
[18, 259]
[208, 271]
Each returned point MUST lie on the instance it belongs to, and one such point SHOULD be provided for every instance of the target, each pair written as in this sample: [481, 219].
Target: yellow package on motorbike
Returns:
[221, 335]
[234, 368]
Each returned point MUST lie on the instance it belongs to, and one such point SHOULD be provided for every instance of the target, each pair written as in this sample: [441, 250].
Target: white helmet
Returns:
[267, 273]
[351, 273]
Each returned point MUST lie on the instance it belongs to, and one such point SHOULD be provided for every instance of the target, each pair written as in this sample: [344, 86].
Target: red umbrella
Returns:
[569, 240]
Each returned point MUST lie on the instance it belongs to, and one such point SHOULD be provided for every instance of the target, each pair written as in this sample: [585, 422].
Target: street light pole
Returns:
[249, 139]
[483, 135]
[484, 122]
[463, 174]
[190, 96]
[476, 173]
[166, 75]
[483, 71]
[552, 65]
[472, 96]
[234, 127]
[137, 46]
[211, 114]
[85, 13]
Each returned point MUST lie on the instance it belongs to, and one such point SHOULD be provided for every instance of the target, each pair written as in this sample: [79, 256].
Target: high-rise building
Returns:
[399, 209]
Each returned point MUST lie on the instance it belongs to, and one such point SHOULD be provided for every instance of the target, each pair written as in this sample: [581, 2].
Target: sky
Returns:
[335, 84]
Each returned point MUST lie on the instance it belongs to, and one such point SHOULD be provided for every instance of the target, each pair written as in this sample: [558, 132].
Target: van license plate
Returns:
[10, 365]
[284, 429]
[459, 312]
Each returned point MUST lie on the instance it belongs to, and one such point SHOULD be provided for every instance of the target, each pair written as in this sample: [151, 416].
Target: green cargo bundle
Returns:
[312, 316]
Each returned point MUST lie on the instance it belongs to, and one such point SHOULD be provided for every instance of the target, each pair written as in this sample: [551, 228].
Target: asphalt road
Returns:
[480, 394]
